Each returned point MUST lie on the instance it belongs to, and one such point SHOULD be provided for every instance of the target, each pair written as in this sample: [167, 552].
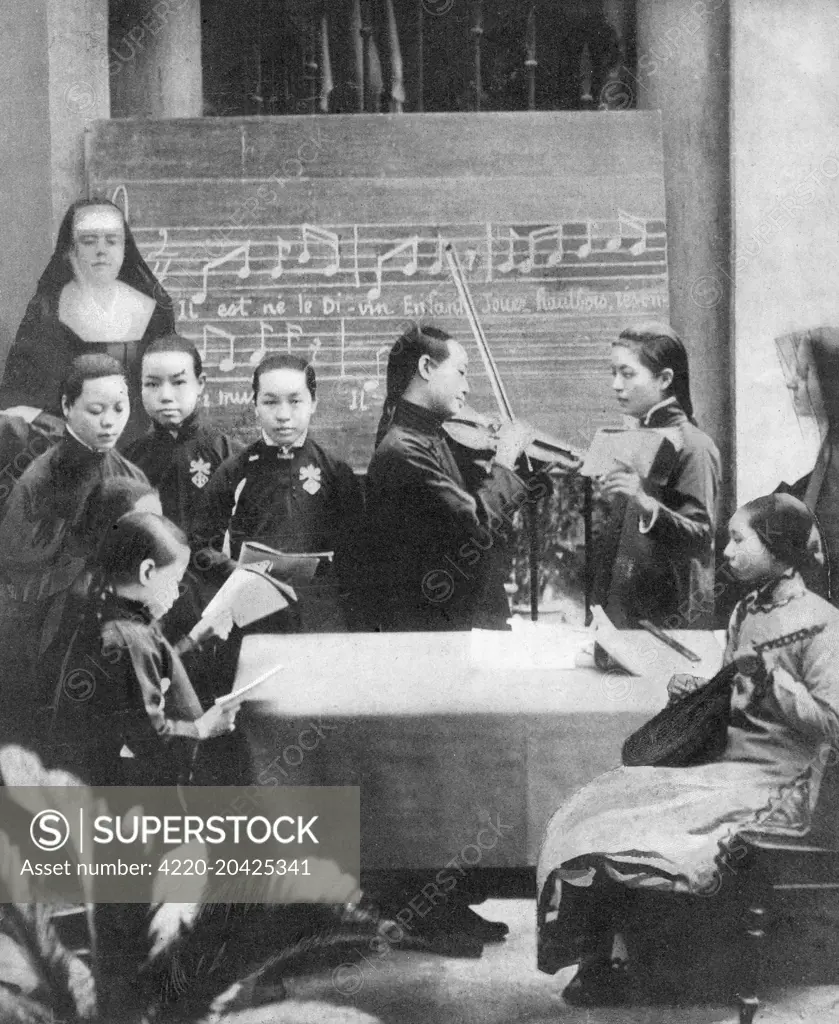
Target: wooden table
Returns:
[439, 744]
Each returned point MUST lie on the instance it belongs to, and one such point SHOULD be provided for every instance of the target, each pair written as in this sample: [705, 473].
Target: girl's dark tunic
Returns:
[436, 531]
[665, 573]
[294, 501]
[180, 465]
[38, 564]
[124, 689]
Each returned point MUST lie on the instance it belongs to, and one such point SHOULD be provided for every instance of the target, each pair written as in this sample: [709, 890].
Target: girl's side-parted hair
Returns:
[658, 347]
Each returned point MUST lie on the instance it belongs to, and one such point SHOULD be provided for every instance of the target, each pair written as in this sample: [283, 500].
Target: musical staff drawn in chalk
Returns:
[161, 272]
[509, 264]
[410, 246]
[283, 247]
[259, 354]
[584, 251]
[321, 236]
[437, 266]
[314, 348]
[358, 395]
[383, 351]
[227, 363]
[630, 226]
[554, 232]
[292, 333]
[241, 251]
[164, 235]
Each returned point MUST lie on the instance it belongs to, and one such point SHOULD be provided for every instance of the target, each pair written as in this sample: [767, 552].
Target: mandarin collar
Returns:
[774, 593]
[665, 414]
[115, 606]
[189, 427]
[416, 417]
[78, 453]
[268, 451]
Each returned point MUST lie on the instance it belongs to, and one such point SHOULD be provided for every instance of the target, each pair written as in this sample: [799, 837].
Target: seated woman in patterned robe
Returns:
[673, 830]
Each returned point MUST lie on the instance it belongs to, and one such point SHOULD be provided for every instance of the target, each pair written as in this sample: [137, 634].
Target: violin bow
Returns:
[504, 408]
[497, 385]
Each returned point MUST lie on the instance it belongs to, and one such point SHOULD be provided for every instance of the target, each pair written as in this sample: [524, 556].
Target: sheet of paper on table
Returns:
[529, 645]
[642, 654]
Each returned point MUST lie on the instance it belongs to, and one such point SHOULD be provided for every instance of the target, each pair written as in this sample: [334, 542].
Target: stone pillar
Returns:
[155, 59]
[683, 60]
[53, 83]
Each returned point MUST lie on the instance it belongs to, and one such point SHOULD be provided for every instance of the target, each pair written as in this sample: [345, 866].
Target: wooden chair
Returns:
[779, 865]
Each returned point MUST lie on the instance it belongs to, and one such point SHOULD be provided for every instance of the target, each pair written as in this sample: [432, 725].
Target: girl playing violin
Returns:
[438, 517]
[656, 558]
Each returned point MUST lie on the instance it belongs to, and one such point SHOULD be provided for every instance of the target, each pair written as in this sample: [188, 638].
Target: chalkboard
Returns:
[323, 236]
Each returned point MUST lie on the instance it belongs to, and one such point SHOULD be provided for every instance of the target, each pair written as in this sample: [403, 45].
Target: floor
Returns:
[504, 987]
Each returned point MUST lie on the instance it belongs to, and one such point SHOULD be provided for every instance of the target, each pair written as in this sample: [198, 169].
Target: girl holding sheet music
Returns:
[124, 710]
[287, 493]
[655, 559]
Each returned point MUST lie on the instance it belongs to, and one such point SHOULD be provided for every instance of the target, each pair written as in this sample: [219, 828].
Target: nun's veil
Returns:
[134, 271]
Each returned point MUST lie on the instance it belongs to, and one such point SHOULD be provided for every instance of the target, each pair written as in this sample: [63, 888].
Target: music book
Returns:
[615, 448]
[248, 595]
[298, 568]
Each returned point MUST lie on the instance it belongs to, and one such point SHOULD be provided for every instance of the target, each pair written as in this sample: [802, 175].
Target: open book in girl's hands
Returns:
[248, 595]
[617, 448]
[296, 568]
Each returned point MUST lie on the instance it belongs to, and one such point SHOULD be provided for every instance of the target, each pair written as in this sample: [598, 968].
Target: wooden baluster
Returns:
[312, 66]
[477, 31]
[420, 56]
[366, 34]
[530, 62]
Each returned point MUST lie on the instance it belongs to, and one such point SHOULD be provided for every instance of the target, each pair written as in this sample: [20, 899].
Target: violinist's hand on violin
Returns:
[513, 438]
[627, 482]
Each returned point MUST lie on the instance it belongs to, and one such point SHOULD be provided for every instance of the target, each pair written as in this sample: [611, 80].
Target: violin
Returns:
[477, 432]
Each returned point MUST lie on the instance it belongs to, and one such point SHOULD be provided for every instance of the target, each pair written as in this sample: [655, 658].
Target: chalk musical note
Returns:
[226, 363]
[292, 331]
[410, 246]
[325, 237]
[161, 272]
[383, 351]
[314, 348]
[124, 190]
[510, 263]
[629, 226]
[470, 258]
[553, 258]
[635, 226]
[437, 266]
[358, 395]
[244, 271]
[283, 247]
[585, 249]
[164, 234]
[259, 354]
